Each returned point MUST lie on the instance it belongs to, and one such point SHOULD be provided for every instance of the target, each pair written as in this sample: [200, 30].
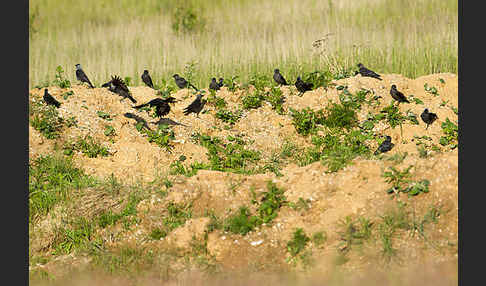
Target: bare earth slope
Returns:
[357, 191]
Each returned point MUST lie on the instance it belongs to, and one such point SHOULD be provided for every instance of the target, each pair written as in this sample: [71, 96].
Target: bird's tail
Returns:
[191, 85]
[90, 84]
[140, 106]
[132, 99]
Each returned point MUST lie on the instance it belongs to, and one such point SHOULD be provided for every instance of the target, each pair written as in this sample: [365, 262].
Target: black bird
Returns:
[138, 119]
[147, 79]
[119, 87]
[278, 77]
[81, 76]
[182, 82]
[385, 146]
[106, 84]
[196, 106]
[167, 121]
[214, 85]
[50, 100]
[220, 83]
[162, 106]
[397, 95]
[302, 86]
[428, 117]
[363, 71]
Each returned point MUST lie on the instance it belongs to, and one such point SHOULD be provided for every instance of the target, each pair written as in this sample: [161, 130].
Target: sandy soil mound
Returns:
[356, 191]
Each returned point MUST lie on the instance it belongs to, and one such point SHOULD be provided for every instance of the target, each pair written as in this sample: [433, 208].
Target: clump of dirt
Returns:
[357, 191]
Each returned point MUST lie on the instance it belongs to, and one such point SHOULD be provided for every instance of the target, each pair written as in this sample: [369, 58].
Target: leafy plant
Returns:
[241, 223]
[51, 178]
[87, 145]
[340, 116]
[161, 136]
[276, 99]
[298, 242]
[45, 119]
[393, 116]
[231, 83]
[450, 131]
[228, 116]
[431, 89]
[401, 183]
[260, 81]
[109, 130]
[306, 120]
[104, 115]
[253, 100]
[60, 80]
[271, 202]
[229, 157]
[354, 232]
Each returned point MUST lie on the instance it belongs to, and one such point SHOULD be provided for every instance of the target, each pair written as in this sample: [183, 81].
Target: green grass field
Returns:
[245, 37]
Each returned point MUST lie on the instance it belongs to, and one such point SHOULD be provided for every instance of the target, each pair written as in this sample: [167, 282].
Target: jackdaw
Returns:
[278, 77]
[363, 71]
[302, 86]
[162, 106]
[214, 85]
[428, 117]
[196, 106]
[119, 87]
[81, 76]
[50, 100]
[147, 79]
[182, 82]
[385, 146]
[397, 95]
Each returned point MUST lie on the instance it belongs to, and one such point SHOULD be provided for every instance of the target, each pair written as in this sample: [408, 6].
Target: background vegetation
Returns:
[241, 37]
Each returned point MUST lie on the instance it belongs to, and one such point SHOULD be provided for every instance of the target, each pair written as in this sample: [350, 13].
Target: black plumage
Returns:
[303, 86]
[385, 146]
[220, 83]
[162, 106]
[363, 71]
[147, 79]
[119, 87]
[138, 119]
[81, 75]
[106, 84]
[182, 82]
[196, 106]
[50, 100]
[428, 117]
[397, 95]
[214, 85]
[278, 77]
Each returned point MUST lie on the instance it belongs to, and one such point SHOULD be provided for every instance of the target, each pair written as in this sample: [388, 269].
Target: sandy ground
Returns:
[356, 191]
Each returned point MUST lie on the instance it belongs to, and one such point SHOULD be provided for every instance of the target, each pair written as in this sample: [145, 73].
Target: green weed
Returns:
[60, 80]
[451, 132]
[307, 120]
[51, 178]
[45, 119]
[87, 145]
[298, 243]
